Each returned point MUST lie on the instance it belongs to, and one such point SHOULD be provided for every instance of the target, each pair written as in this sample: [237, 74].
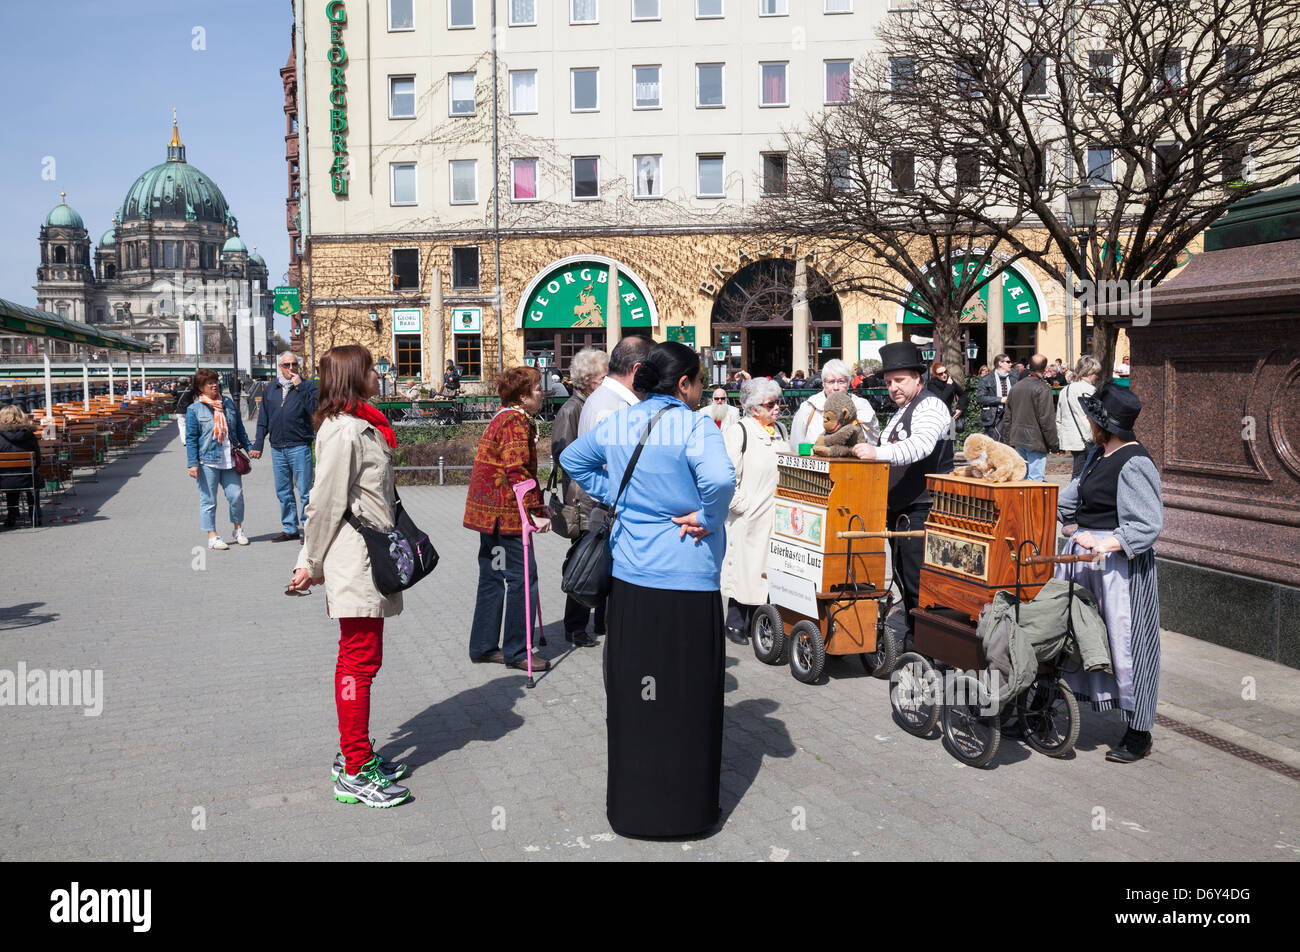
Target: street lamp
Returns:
[374, 317]
[1081, 205]
[382, 366]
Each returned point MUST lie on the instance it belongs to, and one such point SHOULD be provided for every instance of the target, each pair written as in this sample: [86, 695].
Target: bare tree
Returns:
[1167, 111]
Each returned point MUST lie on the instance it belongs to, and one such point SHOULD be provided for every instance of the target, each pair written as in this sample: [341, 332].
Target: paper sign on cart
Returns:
[797, 594]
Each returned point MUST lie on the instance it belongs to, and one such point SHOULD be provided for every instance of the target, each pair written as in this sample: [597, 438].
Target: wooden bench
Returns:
[23, 465]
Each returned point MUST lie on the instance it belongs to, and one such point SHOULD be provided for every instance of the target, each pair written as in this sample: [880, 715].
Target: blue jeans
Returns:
[1037, 463]
[503, 583]
[292, 466]
[209, 479]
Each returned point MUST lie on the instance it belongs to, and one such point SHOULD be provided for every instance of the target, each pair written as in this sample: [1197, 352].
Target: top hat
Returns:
[1114, 409]
[901, 355]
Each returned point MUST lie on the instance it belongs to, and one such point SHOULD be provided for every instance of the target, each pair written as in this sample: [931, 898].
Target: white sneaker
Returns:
[240, 537]
[216, 542]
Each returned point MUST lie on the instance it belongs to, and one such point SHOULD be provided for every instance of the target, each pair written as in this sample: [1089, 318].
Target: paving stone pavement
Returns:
[217, 724]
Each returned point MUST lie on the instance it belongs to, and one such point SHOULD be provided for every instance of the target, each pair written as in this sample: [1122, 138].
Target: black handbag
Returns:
[555, 505]
[589, 567]
[400, 556]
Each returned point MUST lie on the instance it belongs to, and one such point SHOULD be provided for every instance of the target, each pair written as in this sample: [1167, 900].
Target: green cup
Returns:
[805, 449]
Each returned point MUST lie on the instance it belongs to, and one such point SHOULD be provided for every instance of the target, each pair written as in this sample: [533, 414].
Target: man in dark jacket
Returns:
[288, 405]
[992, 393]
[1030, 423]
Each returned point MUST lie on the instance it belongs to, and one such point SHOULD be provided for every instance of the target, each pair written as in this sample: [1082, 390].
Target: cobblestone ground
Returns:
[217, 724]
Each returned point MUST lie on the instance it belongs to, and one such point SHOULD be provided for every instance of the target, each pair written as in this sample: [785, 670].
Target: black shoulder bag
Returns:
[399, 557]
[589, 568]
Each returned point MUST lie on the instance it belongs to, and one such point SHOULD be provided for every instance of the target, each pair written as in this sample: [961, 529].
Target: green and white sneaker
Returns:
[370, 787]
[390, 770]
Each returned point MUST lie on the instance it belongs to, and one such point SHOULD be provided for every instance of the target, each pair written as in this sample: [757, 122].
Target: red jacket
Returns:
[506, 455]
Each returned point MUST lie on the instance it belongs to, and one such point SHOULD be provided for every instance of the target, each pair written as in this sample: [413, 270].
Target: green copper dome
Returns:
[255, 258]
[108, 241]
[175, 191]
[233, 243]
[64, 215]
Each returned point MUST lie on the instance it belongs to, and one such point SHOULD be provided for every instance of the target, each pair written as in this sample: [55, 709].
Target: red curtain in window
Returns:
[773, 85]
[525, 180]
[837, 85]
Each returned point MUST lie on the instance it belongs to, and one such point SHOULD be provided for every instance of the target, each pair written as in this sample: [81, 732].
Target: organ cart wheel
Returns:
[881, 662]
[915, 694]
[767, 634]
[972, 732]
[807, 651]
[1049, 716]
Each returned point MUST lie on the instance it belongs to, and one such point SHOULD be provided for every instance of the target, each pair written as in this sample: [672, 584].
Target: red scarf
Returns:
[372, 416]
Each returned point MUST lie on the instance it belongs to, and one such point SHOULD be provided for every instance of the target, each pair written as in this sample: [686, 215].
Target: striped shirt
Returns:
[931, 421]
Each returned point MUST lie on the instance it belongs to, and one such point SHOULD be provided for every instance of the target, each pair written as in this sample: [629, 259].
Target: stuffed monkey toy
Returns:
[842, 431]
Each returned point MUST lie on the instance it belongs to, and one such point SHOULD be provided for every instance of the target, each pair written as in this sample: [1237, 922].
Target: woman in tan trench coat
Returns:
[752, 446]
[354, 471]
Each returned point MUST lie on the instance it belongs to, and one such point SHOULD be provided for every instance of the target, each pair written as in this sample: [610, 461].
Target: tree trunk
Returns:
[947, 344]
[1104, 338]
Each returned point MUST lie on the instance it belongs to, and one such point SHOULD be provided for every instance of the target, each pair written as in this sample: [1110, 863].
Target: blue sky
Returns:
[92, 83]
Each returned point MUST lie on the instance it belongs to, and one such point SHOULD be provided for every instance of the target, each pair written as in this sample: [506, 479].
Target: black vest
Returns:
[1099, 487]
[907, 486]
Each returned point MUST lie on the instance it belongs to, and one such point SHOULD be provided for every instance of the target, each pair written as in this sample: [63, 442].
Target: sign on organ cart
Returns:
[797, 546]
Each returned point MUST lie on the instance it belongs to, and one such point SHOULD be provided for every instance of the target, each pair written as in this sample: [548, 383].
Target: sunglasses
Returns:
[771, 405]
[288, 366]
[719, 399]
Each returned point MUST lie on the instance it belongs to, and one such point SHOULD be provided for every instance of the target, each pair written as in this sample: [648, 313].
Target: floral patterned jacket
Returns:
[506, 455]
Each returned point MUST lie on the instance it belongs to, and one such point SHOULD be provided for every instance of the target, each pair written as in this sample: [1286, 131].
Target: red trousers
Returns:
[361, 652]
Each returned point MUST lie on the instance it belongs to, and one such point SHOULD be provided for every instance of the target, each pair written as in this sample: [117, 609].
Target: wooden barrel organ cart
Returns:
[981, 538]
[825, 591]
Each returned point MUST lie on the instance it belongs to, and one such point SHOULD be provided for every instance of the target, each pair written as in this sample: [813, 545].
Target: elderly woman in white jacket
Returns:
[807, 424]
[752, 445]
[1071, 425]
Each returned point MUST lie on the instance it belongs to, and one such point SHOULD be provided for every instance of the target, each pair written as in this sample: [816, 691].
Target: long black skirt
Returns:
[663, 693]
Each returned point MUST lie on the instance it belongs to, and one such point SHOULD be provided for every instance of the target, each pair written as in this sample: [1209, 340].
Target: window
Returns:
[586, 177]
[406, 269]
[401, 97]
[902, 171]
[837, 170]
[523, 91]
[839, 6]
[401, 16]
[1236, 164]
[645, 9]
[1171, 76]
[461, 90]
[968, 169]
[706, 9]
[1101, 72]
[1166, 160]
[967, 77]
[902, 74]
[1033, 74]
[460, 14]
[837, 80]
[772, 84]
[1238, 66]
[469, 355]
[464, 267]
[586, 89]
[523, 12]
[582, 11]
[648, 181]
[773, 8]
[407, 362]
[403, 183]
[645, 88]
[1101, 165]
[774, 165]
[464, 181]
[710, 177]
[523, 180]
[708, 85]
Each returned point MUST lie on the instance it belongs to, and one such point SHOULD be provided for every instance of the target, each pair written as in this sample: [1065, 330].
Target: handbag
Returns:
[243, 465]
[589, 566]
[555, 506]
[400, 556]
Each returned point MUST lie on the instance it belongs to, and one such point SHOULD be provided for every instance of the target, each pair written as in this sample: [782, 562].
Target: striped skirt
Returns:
[1130, 603]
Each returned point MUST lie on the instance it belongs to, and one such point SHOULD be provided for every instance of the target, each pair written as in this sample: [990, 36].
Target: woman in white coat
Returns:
[1072, 428]
[354, 472]
[752, 445]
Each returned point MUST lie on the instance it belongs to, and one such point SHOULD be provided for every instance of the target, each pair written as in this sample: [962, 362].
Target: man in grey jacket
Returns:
[1030, 423]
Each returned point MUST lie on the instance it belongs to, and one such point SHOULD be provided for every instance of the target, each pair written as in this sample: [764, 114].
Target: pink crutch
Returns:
[521, 490]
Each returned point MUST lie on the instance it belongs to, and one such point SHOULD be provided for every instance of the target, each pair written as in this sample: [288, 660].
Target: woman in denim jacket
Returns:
[213, 428]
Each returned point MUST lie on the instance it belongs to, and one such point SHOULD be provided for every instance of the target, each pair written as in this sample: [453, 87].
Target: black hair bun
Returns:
[647, 378]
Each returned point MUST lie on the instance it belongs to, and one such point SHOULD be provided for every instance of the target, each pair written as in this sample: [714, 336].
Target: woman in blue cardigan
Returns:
[664, 654]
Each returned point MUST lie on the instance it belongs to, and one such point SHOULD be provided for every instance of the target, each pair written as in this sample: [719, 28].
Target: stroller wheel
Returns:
[971, 723]
[1049, 716]
[915, 694]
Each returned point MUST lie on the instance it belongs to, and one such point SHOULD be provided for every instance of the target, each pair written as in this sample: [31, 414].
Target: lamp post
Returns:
[1081, 204]
[382, 366]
